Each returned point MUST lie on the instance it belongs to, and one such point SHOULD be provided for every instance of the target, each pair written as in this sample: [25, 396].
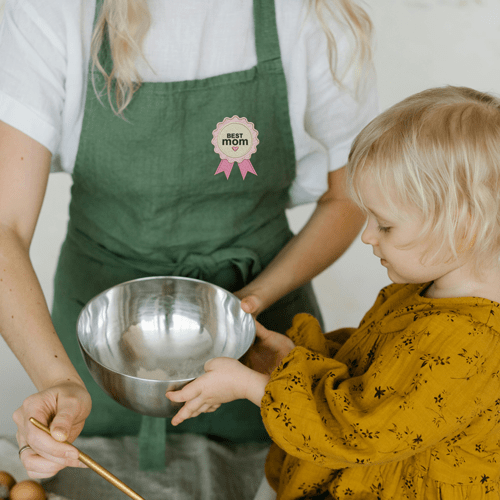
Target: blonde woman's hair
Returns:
[351, 15]
[126, 22]
[437, 152]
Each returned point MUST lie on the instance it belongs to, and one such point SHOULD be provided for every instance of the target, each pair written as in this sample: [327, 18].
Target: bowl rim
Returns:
[152, 278]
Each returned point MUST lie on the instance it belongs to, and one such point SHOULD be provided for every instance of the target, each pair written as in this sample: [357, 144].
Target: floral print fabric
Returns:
[407, 407]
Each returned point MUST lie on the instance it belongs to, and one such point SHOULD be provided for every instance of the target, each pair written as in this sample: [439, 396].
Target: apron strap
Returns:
[152, 443]
[266, 32]
[152, 434]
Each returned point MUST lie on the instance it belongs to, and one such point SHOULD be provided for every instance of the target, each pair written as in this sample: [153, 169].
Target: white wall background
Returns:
[419, 44]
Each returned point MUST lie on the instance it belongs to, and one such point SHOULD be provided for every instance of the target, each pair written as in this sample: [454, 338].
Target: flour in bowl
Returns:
[189, 368]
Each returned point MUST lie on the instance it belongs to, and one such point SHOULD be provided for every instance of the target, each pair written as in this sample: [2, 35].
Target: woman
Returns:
[125, 96]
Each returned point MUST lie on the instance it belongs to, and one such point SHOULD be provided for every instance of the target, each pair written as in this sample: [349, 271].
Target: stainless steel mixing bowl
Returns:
[144, 337]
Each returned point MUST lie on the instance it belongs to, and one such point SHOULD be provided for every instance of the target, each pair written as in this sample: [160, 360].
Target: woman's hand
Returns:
[250, 303]
[63, 408]
[268, 350]
[225, 380]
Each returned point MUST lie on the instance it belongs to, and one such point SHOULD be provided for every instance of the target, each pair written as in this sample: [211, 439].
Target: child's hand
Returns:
[225, 380]
[268, 350]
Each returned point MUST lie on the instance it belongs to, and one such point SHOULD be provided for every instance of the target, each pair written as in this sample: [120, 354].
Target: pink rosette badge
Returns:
[235, 140]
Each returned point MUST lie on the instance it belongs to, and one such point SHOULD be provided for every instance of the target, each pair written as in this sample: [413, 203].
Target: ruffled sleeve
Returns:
[306, 332]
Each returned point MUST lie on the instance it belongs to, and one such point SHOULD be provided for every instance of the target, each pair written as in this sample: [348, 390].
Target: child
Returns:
[409, 405]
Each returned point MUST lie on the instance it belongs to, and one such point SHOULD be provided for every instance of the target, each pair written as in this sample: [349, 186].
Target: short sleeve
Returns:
[423, 385]
[336, 114]
[32, 71]
[326, 117]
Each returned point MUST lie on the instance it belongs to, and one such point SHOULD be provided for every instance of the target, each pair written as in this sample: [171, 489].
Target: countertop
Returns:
[196, 469]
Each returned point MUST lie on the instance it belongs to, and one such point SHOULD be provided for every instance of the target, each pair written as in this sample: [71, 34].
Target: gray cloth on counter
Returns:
[196, 469]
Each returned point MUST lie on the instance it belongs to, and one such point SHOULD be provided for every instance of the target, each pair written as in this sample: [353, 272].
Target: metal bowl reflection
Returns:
[145, 337]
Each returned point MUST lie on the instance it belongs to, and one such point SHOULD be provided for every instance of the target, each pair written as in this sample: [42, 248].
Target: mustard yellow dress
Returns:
[407, 407]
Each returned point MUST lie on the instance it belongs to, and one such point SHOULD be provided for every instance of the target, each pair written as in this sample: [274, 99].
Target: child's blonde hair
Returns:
[126, 23]
[438, 151]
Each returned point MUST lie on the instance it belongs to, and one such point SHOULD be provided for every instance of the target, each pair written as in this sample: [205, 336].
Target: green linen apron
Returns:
[145, 202]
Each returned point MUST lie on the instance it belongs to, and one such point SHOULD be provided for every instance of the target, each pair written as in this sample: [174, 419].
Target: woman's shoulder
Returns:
[50, 7]
[52, 28]
[44, 52]
[54, 13]
[300, 19]
[305, 13]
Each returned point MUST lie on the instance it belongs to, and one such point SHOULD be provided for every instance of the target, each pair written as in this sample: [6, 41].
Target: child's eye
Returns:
[384, 229]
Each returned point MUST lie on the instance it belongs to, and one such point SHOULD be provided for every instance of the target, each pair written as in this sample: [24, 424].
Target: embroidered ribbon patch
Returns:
[235, 140]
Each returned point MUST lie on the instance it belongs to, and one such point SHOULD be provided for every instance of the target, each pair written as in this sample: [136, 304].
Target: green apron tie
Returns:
[152, 451]
[220, 266]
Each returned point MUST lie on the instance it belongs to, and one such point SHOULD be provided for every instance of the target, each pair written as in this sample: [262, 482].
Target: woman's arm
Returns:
[24, 170]
[25, 322]
[331, 229]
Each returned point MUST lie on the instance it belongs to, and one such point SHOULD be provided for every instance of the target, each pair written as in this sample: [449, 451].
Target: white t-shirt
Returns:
[45, 56]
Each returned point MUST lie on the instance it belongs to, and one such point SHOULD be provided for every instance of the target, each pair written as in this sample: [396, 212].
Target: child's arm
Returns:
[227, 379]
[418, 388]
[338, 338]
[306, 332]
[224, 380]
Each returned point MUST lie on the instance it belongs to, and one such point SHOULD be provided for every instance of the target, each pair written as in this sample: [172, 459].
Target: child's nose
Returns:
[369, 235]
